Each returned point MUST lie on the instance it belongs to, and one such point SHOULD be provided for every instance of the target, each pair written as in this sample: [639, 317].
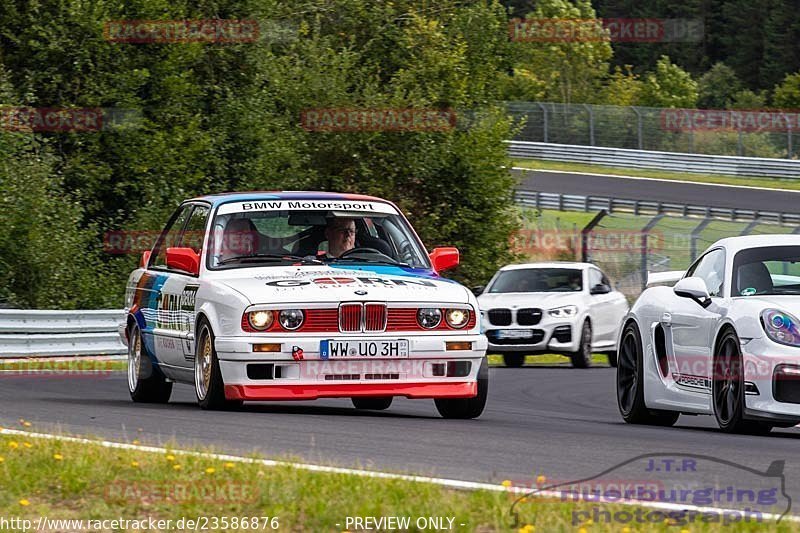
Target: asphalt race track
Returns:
[552, 420]
[668, 191]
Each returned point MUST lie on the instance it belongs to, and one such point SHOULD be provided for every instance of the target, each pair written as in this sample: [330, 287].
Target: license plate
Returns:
[514, 334]
[388, 349]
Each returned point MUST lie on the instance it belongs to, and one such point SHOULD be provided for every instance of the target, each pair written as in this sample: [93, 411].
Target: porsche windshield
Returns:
[769, 270]
[280, 237]
[538, 280]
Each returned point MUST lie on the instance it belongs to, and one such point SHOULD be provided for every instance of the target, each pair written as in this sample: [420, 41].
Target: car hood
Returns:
[787, 303]
[545, 300]
[322, 283]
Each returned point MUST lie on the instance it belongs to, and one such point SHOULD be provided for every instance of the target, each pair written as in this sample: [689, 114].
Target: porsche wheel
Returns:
[208, 383]
[583, 357]
[467, 407]
[727, 388]
[630, 383]
[146, 382]
[373, 404]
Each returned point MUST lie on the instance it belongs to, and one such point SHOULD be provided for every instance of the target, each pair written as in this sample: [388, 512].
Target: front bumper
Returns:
[772, 380]
[555, 336]
[429, 371]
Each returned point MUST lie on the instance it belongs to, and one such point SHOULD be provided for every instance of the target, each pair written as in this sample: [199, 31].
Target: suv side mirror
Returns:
[477, 291]
[694, 288]
[600, 288]
[444, 258]
[184, 259]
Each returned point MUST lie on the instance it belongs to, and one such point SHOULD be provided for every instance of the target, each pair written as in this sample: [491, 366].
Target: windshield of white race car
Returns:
[538, 280]
[770, 270]
[284, 237]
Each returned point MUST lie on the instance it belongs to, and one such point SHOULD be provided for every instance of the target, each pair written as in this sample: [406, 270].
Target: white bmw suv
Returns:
[560, 307]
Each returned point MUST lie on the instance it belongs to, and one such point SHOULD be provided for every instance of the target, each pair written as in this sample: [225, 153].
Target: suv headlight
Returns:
[781, 327]
[291, 319]
[457, 318]
[563, 312]
[260, 320]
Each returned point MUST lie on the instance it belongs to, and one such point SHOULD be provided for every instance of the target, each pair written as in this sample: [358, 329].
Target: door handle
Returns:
[666, 319]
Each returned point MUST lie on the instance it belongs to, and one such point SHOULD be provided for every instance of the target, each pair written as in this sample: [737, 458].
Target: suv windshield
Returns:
[289, 236]
[538, 280]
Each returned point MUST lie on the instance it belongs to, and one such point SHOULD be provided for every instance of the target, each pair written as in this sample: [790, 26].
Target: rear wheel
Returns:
[146, 382]
[373, 404]
[208, 382]
[467, 407]
[583, 357]
[514, 360]
[727, 388]
[630, 383]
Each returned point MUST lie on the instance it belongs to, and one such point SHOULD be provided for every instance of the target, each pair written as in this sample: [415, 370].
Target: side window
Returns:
[195, 229]
[710, 268]
[604, 281]
[171, 238]
[595, 277]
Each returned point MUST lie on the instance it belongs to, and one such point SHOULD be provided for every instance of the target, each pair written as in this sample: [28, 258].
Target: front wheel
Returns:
[467, 407]
[583, 357]
[373, 404]
[146, 382]
[208, 382]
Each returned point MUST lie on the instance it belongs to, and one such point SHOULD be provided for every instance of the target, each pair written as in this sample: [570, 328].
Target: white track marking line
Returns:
[444, 482]
[662, 180]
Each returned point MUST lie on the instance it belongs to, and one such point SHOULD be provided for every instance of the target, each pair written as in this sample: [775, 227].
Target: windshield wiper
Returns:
[269, 258]
[355, 257]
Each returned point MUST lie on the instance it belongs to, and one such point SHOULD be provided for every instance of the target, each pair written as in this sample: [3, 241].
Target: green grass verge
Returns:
[63, 480]
[548, 359]
[770, 183]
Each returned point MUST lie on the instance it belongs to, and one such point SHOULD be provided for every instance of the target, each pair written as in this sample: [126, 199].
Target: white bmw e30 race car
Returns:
[724, 341]
[298, 296]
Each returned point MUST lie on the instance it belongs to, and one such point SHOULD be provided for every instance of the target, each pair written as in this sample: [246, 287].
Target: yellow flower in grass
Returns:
[176, 467]
[229, 465]
[26, 424]
[58, 457]
[170, 458]
[210, 470]
[135, 464]
[540, 479]
[13, 445]
[23, 502]
[27, 444]
[2, 460]
[135, 441]
[506, 483]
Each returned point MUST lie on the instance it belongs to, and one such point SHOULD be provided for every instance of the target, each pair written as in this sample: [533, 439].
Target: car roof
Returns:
[219, 198]
[551, 264]
[735, 244]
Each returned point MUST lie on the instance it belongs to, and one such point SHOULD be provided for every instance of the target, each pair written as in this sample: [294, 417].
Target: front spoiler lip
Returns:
[466, 389]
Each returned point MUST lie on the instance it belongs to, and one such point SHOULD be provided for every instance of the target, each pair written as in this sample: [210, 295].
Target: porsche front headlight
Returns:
[566, 311]
[781, 327]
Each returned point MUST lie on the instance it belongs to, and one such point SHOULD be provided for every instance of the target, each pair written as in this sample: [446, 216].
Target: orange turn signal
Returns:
[461, 345]
[274, 347]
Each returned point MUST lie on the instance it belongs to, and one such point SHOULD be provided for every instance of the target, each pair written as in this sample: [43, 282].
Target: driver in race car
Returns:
[341, 235]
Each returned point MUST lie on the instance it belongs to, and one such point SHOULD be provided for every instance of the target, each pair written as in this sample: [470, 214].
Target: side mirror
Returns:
[444, 258]
[145, 259]
[694, 288]
[184, 259]
[477, 291]
[600, 288]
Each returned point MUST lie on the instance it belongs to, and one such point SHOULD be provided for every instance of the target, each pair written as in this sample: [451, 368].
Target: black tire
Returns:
[208, 385]
[727, 388]
[467, 407]
[146, 382]
[612, 359]
[373, 404]
[630, 383]
[514, 360]
[583, 357]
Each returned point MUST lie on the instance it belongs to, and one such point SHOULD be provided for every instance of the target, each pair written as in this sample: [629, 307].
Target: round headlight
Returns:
[457, 318]
[260, 320]
[291, 319]
[429, 318]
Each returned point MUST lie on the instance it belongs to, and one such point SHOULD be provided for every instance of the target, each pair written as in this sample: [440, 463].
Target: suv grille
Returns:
[529, 317]
[500, 317]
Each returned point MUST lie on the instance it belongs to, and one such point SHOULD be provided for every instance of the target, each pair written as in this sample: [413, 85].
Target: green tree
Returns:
[717, 87]
[787, 94]
[669, 86]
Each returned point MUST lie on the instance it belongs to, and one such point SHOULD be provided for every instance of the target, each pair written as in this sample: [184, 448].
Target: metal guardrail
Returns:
[569, 202]
[53, 333]
[645, 159]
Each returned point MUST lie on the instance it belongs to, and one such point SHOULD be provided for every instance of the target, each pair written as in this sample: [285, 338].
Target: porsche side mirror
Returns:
[694, 288]
[444, 258]
[184, 259]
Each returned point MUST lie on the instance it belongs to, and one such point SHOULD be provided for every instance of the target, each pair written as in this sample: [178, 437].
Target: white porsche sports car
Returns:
[724, 341]
[559, 307]
[298, 296]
